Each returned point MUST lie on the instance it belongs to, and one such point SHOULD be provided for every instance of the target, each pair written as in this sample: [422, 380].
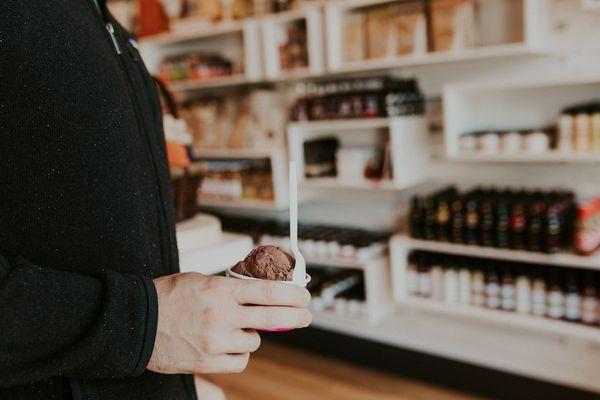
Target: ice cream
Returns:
[267, 262]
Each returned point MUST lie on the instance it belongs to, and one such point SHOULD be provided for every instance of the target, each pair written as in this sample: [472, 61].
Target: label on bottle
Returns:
[424, 284]
[538, 299]
[589, 310]
[493, 295]
[556, 304]
[523, 294]
[412, 281]
[508, 297]
[573, 306]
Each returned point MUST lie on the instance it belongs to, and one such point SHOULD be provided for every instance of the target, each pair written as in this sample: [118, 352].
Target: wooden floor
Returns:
[280, 373]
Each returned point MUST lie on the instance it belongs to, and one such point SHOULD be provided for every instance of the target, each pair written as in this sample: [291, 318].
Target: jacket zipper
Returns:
[111, 31]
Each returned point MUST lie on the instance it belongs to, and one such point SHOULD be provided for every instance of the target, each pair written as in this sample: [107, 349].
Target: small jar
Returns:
[512, 142]
[537, 143]
[468, 143]
[489, 143]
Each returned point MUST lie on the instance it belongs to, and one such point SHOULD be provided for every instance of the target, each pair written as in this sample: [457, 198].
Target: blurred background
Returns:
[448, 154]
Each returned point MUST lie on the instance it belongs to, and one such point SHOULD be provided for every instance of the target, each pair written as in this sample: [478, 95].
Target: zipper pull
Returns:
[111, 30]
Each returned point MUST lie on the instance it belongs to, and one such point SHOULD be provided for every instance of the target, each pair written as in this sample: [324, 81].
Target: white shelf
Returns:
[557, 260]
[407, 139]
[215, 257]
[339, 125]
[506, 105]
[346, 263]
[237, 153]
[550, 157]
[547, 357]
[336, 184]
[195, 29]
[505, 318]
[274, 33]
[220, 82]
[442, 57]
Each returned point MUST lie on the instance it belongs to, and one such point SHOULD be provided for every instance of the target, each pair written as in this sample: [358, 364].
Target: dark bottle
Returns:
[518, 222]
[503, 221]
[443, 219]
[417, 218]
[472, 220]
[537, 210]
[553, 231]
[429, 205]
[457, 220]
[488, 219]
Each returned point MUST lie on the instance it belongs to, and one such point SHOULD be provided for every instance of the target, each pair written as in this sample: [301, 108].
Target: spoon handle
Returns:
[293, 194]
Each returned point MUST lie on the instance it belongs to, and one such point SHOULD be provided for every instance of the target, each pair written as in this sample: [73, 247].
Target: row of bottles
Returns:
[557, 293]
[522, 220]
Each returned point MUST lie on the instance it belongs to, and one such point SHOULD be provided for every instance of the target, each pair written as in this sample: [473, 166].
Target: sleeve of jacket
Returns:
[60, 323]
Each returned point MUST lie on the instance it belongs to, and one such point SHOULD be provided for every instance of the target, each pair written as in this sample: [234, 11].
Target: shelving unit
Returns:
[378, 290]
[408, 146]
[550, 157]
[278, 162]
[235, 40]
[274, 33]
[513, 105]
[406, 244]
[535, 30]
[213, 258]
[498, 339]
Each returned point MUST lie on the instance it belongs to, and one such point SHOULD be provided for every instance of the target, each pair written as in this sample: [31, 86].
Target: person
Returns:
[92, 304]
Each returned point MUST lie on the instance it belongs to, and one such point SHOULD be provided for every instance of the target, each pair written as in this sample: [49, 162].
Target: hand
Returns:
[207, 324]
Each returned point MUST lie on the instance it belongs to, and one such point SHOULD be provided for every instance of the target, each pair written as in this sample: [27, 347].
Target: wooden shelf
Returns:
[557, 260]
[236, 153]
[506, 318]
[243, 204]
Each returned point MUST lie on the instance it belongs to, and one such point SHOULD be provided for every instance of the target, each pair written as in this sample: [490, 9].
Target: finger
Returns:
[237, 341]
[224, 364]
[270, 293]
[272, 317]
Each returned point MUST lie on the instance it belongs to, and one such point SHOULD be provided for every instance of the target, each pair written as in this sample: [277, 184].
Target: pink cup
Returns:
[235, 275]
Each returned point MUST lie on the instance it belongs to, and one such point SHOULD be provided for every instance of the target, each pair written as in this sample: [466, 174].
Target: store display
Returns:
[315, 241]
[452, 24]
[248, 120]
[556, 293]
[184, 187]
[358, 98]
[341, 292]
[320, 157]
[577, 131]
[267, 262]
[234, 180]
[293, 52]
[197, 66]
[535, 221]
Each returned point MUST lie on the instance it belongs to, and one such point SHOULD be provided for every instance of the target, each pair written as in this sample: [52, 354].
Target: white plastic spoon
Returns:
[300, 266]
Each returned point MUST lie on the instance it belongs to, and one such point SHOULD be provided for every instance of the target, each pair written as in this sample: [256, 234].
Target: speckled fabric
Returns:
[85, 213]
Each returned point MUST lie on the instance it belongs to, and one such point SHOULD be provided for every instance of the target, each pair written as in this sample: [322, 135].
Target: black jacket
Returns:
[85, 210]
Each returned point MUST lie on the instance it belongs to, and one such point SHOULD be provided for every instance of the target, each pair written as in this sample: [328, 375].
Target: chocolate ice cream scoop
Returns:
[267, 262]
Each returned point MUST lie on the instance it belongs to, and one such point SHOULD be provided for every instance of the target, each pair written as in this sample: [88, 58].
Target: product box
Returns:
[378, 32]
[452, 24]
[354, 37]
[408, 28]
